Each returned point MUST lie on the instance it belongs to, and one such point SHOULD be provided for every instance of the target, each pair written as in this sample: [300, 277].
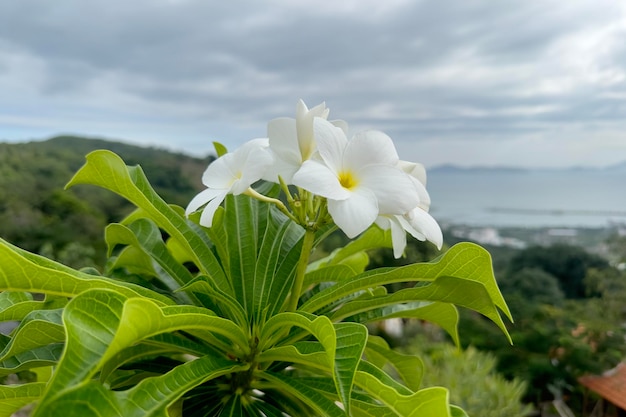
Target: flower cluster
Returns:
[360, 181]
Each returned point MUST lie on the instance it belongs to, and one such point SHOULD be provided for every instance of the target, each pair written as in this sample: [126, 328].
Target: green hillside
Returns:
[37, 214]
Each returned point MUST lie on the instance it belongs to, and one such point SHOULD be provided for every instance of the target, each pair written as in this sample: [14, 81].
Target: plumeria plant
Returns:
[218, 310]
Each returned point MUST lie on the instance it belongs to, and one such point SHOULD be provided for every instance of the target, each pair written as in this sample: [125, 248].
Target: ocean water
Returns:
[543, 198]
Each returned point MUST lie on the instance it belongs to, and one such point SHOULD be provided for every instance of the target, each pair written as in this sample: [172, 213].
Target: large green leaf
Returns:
[263, 248]
[14, 306]
[14, 397]
[444, 315]
[209, 294]
[23, 271]
[107, 170]
[343, 343]
[308, 354]
[32, 358]
[459, 291]
[100, 324]
[351, 340]
[305, 393]
[150, 398]
[429, 402]
[464, 266]
[333, 273]
[144, 235]
[408, 367]
[372, 238]
[39, 328]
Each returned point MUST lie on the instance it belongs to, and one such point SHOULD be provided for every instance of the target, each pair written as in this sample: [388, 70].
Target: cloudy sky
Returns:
[470, 82]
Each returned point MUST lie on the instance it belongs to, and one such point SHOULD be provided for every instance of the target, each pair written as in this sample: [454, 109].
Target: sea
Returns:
[504, 197]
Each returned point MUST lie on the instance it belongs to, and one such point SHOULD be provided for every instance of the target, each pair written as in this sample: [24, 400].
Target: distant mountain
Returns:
[621, 167]
[451, 168]
[455, 169]
[36, 213]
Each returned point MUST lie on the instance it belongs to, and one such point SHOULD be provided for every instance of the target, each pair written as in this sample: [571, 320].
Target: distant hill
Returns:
[37, 214]
[454, 169]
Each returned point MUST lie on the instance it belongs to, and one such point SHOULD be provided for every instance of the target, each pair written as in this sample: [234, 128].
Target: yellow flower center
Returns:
[347, 180]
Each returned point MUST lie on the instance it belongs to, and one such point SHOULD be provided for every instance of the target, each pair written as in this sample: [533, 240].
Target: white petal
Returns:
[370, 147]
[419, 172]
[317, 178]
[253, 168]
[283, 139]
[201, 199]
[393, 188]
[414, 169]
[384, 222]
[280, 167]
[304, 126]
[341, 124]
[331, 143]
[206, 219]
[422, 193]
[426, 225]
[398, 237]
[219, 174]
[398, 234]
[354, 214]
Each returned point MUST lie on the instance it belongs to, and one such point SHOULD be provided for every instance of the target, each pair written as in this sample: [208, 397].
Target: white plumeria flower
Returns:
[292, 141]
[418, 174]
[359, 177]
[232, 173]
[421, 225]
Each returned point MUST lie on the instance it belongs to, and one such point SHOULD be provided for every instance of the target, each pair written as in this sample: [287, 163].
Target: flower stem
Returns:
[296, 290]
[254, 194]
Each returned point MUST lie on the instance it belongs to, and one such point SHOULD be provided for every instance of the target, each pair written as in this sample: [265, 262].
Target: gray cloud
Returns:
[425, 70]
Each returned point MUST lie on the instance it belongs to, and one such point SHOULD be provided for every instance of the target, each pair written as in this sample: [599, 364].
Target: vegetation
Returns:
[568, 303]
[569, 315]
[471, 377]
[38, 215]
[228, 320]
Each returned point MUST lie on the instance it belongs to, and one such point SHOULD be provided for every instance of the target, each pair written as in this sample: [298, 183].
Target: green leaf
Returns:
[24, 271]
[144, 235]
[93, 399]
[343, 344]
[33, 358]
[351, 340]
[429, 402]
[134, 261]
[309, 354]
[457, 411]
[107, 170]
[409, 367]
[14, 306]
[228, 305]
[465, 266]
[133, 354]
[372, 238]
[444, 315]
[308, 395]
[383, 377]
[100, 324]
[263, 248]
[459, 291]
[365, 409]
[334, 273]
[279, 325]
[14, 397]
[9, 299]
[220, 149]
[39, 328]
